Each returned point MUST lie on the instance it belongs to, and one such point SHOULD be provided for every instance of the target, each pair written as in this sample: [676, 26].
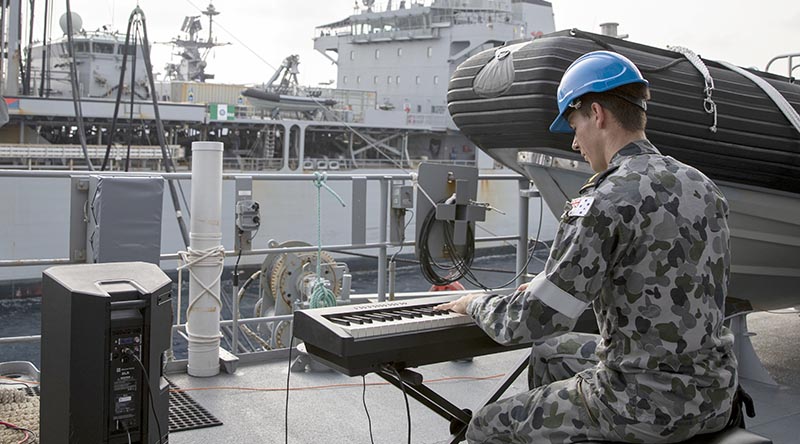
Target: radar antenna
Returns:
[192, 63]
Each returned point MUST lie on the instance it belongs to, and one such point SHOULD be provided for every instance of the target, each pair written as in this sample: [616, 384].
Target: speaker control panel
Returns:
[126, 379]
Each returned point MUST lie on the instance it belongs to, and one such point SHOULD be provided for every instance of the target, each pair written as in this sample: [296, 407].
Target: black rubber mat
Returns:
[186, 414]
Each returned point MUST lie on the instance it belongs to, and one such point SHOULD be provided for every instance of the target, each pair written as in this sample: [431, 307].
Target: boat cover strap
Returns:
[773, 94]
[697, 62]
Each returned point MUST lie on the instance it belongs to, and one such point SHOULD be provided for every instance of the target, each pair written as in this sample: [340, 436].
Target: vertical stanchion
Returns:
[522, 221]
[384, 219]
[206, 257]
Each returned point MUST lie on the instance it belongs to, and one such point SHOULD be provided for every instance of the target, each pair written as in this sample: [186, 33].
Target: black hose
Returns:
[76, 101]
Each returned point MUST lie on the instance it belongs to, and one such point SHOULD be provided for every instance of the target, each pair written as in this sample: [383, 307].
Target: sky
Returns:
[263, 32]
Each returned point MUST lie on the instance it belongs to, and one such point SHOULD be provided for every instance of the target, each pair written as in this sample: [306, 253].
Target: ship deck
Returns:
[327, 407]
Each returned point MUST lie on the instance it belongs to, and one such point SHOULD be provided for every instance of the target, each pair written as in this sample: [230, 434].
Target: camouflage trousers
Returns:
[560, 408]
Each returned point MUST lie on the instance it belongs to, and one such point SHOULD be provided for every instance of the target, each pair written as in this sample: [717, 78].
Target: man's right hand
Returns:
[459, 305]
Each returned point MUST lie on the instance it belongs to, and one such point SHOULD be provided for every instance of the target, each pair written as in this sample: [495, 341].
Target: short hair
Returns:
[630, 117]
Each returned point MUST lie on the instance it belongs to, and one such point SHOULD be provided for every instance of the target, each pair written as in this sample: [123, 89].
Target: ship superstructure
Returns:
[406, 55]
[98, 60]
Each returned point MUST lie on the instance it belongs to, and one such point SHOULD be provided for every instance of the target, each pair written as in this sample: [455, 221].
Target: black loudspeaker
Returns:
[105, 328]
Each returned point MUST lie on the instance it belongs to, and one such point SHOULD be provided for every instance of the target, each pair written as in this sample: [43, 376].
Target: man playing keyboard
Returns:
[647, 245]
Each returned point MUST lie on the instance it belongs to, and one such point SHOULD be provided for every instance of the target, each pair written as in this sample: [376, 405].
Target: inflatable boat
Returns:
[745, 139]
[740, 127]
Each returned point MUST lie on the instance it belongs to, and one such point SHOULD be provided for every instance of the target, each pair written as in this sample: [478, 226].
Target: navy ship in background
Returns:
[387, 114]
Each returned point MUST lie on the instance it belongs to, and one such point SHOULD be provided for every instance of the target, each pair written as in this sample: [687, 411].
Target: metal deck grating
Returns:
[186, 414]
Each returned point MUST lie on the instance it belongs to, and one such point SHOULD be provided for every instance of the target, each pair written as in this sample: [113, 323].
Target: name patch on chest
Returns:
[580, 206]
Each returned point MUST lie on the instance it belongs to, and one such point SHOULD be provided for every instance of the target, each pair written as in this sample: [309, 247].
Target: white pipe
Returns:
[206, 256]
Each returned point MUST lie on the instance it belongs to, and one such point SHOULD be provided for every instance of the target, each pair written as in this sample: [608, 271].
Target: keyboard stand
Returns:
[412, 383]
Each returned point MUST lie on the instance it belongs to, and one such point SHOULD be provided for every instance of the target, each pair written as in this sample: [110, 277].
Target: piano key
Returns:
[351, 318]
[407, 325]
[339, 321]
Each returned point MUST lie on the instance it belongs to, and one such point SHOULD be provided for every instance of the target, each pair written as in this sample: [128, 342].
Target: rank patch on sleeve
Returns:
[581, 206]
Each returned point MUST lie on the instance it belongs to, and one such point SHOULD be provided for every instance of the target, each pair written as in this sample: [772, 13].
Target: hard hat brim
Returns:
[561, 125]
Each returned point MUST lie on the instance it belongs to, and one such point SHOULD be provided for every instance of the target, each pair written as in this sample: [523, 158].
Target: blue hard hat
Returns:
[597, 71]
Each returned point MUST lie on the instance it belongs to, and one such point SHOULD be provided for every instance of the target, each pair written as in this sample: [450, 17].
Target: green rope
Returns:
[321, 296]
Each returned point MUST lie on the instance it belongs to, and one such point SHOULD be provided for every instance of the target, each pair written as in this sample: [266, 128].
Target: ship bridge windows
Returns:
[82, 46]
[103, 48]
[128, 49]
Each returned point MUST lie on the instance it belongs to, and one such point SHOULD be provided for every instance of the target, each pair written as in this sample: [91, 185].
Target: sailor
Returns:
[647, 245]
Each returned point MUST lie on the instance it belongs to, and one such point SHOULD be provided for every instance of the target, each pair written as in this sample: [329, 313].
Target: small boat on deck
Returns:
[740, 127]
[263, 99]
[283, 93]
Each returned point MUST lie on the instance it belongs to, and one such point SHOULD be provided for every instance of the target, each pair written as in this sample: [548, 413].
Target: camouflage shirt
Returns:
[647, 243]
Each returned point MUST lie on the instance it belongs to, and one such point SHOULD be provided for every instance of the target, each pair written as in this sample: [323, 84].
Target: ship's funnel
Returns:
[77, 23]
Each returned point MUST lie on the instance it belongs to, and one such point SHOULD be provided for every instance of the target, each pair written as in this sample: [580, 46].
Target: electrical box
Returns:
[105, 328]
[402, 196]
[248, 216]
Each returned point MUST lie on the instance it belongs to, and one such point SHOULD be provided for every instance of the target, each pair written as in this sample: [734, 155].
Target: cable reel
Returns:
[286, 284]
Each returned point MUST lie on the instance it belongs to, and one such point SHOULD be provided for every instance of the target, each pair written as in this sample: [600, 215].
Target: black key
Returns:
[389, 316]
[339, 321]
[377, 317]
[362, 317]
[352, 319]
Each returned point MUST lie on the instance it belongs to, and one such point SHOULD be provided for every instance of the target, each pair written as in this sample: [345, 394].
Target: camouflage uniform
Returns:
[647, 244]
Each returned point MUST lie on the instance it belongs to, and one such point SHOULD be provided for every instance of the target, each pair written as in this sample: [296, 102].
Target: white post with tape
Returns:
[205, 259]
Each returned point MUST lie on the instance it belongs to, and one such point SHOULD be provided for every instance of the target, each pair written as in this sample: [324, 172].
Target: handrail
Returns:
[54, 174]
[789, 58]
[381, 246]
[253, 320]
[255, 252]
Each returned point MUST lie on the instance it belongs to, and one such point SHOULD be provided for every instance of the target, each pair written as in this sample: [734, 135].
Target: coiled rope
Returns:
[321, 296]
[211, 257]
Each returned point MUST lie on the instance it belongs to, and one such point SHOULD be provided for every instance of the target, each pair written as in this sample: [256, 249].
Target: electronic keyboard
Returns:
[364, 338]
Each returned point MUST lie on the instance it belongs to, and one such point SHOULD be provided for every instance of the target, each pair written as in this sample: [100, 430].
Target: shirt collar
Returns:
[634, 148]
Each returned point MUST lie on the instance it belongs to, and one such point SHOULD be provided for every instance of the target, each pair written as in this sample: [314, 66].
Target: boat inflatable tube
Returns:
[747, 140]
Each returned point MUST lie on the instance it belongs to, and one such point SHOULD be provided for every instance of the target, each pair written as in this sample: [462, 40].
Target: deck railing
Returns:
[382, 244]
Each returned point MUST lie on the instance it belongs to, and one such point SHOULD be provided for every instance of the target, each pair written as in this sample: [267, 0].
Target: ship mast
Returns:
[193, 63]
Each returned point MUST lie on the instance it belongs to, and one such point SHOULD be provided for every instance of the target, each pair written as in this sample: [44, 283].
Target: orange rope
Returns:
[330, 386]
[20, 381]
[313, 387]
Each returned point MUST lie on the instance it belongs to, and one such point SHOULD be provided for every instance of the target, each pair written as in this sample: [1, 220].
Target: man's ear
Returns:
[599, 115]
